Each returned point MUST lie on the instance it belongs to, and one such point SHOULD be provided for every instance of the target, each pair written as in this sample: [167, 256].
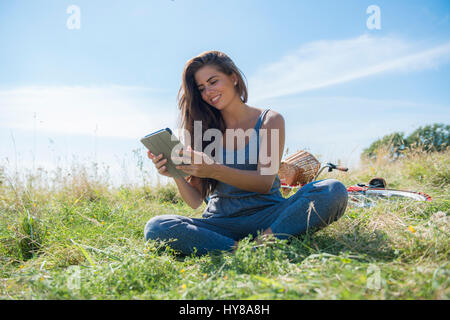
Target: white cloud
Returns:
[113, 111]
[325, 63]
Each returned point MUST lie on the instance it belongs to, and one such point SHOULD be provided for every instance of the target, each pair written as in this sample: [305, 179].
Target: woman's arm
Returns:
[190, 187]
[190, 192]
[243, 179]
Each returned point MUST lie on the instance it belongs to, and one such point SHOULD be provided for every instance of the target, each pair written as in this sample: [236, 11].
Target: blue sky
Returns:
[90, 93]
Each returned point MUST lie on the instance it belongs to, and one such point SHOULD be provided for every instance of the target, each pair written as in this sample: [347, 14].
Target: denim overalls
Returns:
[232, 213]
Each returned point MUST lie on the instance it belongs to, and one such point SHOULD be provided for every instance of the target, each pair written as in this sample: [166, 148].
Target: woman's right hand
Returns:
[159, 162]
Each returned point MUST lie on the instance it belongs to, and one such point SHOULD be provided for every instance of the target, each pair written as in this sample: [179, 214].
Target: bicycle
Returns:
[362, 195]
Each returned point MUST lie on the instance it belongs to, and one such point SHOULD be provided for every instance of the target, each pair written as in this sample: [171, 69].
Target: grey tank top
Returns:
[229, 201]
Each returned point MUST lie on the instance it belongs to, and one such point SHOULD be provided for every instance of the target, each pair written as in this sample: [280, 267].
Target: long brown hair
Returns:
[194, 108]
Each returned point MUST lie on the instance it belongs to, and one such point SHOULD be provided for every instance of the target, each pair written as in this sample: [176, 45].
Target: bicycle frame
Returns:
[362, 189]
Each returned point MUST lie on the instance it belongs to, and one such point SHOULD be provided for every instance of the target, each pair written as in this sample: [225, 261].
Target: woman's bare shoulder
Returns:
[273, 119]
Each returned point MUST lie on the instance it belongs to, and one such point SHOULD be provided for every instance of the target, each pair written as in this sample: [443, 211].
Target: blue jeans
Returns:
[312, 207]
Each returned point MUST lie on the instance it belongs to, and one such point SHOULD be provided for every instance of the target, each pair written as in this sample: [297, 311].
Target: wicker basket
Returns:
[299, 168]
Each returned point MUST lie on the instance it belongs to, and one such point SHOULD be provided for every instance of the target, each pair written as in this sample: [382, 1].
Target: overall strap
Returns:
[257, 127]
[260, 120]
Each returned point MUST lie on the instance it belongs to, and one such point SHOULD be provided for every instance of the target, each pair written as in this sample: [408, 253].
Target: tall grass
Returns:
[72, 235]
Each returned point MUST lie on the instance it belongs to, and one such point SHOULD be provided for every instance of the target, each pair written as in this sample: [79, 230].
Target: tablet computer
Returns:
[163, 141]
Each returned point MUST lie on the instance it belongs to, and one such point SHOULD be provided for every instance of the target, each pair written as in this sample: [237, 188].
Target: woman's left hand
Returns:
[201, 165]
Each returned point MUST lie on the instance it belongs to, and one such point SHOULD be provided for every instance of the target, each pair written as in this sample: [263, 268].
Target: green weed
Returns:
[79, 238]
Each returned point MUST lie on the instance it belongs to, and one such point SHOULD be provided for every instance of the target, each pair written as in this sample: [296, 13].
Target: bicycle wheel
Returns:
[370, 197]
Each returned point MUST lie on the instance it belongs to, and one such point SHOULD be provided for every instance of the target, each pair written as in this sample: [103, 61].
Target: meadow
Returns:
[72, 235]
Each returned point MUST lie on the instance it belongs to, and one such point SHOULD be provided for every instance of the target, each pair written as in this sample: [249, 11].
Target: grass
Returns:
[75, 237]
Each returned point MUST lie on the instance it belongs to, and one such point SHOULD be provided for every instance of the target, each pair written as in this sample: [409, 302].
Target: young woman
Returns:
[243, 198]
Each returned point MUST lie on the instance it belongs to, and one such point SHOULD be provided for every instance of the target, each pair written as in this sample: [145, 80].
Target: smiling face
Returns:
[216, 88]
